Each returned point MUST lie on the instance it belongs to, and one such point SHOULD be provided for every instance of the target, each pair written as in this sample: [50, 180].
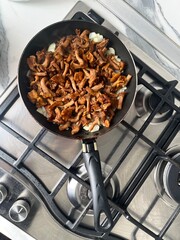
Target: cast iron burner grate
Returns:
[157, 153]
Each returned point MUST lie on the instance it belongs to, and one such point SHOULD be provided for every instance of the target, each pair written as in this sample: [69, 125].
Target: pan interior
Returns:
[53, 33]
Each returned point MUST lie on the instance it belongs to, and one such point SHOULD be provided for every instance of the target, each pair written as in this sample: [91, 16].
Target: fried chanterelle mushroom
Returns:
[78, 83]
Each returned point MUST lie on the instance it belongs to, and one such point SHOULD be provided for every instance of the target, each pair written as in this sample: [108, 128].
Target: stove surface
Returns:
[46, 172]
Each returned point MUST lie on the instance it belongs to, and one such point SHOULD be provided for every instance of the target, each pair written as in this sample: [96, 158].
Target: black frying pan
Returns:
[43, 39]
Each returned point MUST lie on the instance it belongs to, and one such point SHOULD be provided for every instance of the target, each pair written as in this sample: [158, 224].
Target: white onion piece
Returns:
[95, 128]
[121, 90]
[42, 111]
[92, 35]
[96, 37]
[52, 47]
[117, 58]
[110, 51]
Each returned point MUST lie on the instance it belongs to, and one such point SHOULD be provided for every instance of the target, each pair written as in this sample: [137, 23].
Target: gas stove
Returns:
[44, 189]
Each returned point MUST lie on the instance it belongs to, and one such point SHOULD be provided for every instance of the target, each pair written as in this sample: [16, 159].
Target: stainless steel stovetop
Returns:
[43, 182]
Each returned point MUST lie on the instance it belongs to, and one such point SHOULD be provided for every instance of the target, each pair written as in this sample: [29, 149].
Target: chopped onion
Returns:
[121, 90]
[96, 37]
[52, 47]
[110, 51]
[95, 128]
[117, 58]
[42, 111]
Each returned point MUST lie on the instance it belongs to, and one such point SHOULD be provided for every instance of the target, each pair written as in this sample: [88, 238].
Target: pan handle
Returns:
[100, 202]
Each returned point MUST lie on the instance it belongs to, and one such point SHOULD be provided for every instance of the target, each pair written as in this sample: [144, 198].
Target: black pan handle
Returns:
[100, 201]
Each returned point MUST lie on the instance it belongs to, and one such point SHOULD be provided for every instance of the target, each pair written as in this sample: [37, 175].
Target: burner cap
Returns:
[171, 180]
[146, 101]
[154, 100]
[80, 196]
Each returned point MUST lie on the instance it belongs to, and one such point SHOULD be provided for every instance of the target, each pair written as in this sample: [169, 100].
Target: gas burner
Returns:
[167, 178]
[146, 101]
[80, 196]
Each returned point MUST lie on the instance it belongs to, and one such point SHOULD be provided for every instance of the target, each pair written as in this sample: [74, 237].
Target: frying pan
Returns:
[43, 39]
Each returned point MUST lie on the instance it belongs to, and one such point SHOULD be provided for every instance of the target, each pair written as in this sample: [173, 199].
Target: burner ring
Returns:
[146, 101]
[80, 196]
[171, 179]
[167, 178]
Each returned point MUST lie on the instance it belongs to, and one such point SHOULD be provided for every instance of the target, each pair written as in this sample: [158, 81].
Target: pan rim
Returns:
[88, 135]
